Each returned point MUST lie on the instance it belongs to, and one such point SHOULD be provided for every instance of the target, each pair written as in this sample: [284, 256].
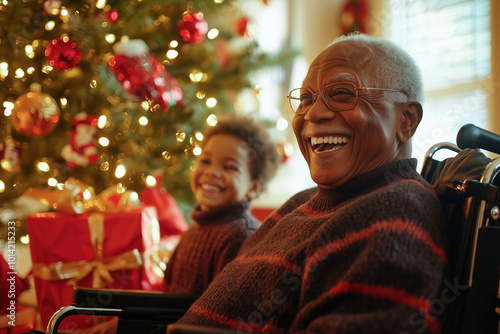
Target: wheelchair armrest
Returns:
[137, 309]
[114, 298]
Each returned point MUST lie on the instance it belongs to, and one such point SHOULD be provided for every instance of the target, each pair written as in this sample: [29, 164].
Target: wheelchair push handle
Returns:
[471, 136]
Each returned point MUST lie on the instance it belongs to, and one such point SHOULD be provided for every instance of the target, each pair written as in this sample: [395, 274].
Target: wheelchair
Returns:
[468, 187]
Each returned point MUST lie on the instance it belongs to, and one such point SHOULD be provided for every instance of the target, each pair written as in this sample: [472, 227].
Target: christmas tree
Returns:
[116, 92]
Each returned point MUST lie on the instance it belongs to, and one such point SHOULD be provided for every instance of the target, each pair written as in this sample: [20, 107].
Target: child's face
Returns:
[222, 173]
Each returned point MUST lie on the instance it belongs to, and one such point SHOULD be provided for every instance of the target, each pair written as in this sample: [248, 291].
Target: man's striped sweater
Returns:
[367, 257]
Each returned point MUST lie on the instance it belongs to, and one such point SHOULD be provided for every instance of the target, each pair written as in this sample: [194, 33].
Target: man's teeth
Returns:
[328, 140]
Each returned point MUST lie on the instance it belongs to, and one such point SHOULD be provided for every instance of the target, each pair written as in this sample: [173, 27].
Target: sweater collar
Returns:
[220, 215]
[364, 183]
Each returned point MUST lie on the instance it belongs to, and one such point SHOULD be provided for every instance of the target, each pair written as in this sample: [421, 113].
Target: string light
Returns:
[42, 166]
[2, 186]
[52, 182]
[143, 120]
[25, 239]
[180, 136]
[198, 135]
[110, 38]
[197, 150]
[174, 44]
[8, 108]
[4, 70]
[120, 171]
[171, 54]
[103, 141]
[196, 76]
[211, 102]
[200, 95]
[213, 33]
[50, 25]
[212, 120]
[19, 73]
[150, 181]
[100, 4]
[102, 121]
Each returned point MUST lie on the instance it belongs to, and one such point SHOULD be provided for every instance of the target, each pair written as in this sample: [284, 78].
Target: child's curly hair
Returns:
[263, 153]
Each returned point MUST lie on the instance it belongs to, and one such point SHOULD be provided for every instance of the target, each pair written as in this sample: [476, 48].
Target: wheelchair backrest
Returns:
[467, 186]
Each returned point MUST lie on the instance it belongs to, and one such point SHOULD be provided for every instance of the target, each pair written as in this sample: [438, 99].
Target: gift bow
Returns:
[100, 266]
[78, 197]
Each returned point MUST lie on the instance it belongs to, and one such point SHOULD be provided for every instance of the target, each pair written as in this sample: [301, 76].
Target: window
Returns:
[450, 40]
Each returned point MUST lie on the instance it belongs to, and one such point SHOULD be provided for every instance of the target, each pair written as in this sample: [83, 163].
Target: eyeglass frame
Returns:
[316, 95]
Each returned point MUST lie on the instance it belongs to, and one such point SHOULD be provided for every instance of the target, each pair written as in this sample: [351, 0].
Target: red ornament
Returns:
[35, 114]
[63, 54]
[112, 16]
[353, 17]
[143, 76]
[193, 27]
[81, 150]
[241, 26]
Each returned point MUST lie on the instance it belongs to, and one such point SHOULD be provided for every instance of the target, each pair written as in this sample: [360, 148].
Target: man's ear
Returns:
[254, 190]
[411, 115]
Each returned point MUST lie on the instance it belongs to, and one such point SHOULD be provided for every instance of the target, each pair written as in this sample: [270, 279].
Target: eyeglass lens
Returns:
[337, 97]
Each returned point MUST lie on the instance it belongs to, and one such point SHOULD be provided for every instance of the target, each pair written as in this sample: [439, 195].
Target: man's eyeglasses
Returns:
[339, 96]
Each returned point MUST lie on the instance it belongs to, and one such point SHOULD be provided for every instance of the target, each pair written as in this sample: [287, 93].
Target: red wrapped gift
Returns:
[109, 250]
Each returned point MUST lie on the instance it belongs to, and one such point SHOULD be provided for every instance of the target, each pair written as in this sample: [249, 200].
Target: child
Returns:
[237, 160]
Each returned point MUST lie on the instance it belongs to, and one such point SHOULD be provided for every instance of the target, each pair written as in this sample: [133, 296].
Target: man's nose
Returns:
[319, 111]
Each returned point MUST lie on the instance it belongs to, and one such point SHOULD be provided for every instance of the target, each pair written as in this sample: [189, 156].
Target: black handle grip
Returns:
[471, 136]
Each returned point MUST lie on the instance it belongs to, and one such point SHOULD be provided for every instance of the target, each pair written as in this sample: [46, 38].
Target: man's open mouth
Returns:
[327, 143]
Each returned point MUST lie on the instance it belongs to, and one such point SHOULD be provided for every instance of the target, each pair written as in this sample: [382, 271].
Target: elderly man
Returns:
[363, 251]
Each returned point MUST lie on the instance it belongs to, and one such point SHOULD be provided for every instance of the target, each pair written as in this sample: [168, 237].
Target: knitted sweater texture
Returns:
[208, 245]
[367, 257]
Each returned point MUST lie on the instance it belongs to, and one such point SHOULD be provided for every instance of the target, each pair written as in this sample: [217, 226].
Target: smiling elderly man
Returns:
[363, 251]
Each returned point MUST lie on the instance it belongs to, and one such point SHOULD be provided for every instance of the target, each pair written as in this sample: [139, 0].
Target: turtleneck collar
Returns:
[220, 215]
[364, 183]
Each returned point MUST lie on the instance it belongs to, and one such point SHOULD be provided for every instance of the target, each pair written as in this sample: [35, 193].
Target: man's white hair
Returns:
[394, 67]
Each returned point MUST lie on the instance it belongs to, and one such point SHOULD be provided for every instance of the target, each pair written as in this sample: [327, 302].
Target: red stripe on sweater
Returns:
[394, 295]
[399, 226]
[234, 324]
[309, 212]
[276, 216]
[273, 260]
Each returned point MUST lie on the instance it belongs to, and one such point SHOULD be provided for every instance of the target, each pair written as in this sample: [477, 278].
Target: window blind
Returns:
[450, 40]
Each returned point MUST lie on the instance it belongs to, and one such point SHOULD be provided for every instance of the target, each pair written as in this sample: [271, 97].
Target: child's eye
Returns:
[230, 167]
[204, 161]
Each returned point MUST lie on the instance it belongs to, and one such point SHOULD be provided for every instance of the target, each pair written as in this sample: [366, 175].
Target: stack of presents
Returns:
[118, 242]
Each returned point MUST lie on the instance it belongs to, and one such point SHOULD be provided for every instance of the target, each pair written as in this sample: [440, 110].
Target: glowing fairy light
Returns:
[52, 182]
[103, 141]
[120, 171]
[143, 120]
[211, 102]
[198, 135]
[25, 239]
[196, 76]
[110, 38]
[86, 194]
[172, 54]
[197, 150]
[2, 186]
[180, 136]
[42, 166]
[212, 120]
[150, 181]
[213, 33]
[174, 44]
[19, 73]
[101, 122]
[50, 25]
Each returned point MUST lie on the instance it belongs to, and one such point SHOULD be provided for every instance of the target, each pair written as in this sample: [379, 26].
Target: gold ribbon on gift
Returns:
[77, 197]
[99, 266]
